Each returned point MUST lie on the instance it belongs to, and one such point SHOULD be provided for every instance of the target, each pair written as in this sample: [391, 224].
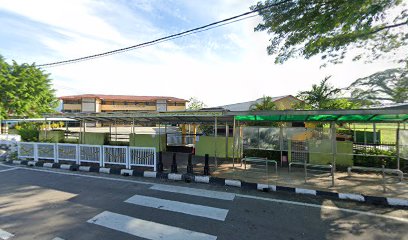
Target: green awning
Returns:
[325, 118]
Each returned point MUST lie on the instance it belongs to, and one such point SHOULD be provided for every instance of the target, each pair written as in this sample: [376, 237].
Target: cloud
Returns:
[224, 65]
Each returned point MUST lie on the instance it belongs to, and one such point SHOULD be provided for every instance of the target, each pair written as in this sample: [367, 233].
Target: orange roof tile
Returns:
[122, 98]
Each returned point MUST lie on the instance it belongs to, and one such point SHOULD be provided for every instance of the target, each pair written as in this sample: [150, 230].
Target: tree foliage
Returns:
[266, 103]
[195, 104]
[330, 27]
[25, 90]
[324, 96]
[389, 85]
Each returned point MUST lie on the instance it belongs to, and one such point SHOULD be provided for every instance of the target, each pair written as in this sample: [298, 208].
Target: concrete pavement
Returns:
[47, 204]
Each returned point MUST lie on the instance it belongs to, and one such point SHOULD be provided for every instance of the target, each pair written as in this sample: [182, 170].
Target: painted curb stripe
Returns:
[195, 192]
[327, 194]
[149, 174]
[65, 166]
[48, 165]
[202, 179]
[285, 189]
[305, 191]
[397, 202]
[31, 163]
[221, 181]
[85, 168]
[174, 176]
[104, 170]
[180, 207]
[376, 200]
[128, 172]
[352, 196]
[217, 181]
[248, 185]
[234, 183]
[145, 229]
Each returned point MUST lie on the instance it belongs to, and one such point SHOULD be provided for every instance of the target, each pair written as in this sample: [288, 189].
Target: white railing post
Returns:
[18, 151]
[77, 153]
[127, 157]
[102, 156]
[35, 152]
[155, 163]
[56, 152]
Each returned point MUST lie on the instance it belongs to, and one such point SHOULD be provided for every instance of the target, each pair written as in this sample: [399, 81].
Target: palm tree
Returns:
[321, 95]
[266, 103]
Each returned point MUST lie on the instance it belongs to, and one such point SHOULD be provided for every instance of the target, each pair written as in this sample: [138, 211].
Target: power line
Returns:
[167, 38]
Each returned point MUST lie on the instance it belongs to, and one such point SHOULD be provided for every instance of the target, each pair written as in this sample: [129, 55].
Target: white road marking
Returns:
[57, 238]
[405, 220]
[9, 169]
[181, 207]
[194, 192]
[5, 235]
[145, 229]
[81, 175]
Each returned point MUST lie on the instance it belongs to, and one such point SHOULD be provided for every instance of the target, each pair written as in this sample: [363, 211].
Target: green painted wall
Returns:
[148, 140]
[208, 144]
[53, 136]
[320, 153]
[94, 138]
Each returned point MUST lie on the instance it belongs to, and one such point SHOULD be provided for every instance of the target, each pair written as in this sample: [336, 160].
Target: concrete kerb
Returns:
[386, 201]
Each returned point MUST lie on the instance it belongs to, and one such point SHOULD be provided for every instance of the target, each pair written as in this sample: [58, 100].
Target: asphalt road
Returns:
[37, 203]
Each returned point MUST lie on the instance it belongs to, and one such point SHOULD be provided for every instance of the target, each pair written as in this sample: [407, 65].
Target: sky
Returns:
[221, 66]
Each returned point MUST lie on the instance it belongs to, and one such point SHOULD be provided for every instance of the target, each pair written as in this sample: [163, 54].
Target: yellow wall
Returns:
[286, 103]
[72, 106]
[98, 105]
[127, 107]
[176, 108]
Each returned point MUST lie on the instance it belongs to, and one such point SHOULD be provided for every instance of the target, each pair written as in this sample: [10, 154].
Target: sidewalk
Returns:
[371, 184]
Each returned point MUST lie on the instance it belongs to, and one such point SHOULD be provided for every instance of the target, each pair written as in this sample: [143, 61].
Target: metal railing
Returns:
[83, 153]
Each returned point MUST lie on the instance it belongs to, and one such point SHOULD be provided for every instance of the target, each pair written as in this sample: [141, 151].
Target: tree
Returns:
[330, 27]
[25, 90]
[266, 103]
[195, 104]
[324, 96]
[389, 85]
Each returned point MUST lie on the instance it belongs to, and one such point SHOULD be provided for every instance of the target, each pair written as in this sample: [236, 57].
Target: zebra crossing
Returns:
[5, 235]
[155, 230]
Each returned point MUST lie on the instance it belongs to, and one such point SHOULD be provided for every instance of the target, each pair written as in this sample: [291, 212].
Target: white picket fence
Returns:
[82, 153]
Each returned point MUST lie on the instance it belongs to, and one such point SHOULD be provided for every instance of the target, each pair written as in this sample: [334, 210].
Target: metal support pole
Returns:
[334, 149]
[374, 134]
[45, 129]
[226, 140]
[80, 132]
[233, 145]
[398, 146]
[281, 144]
[116, 133]
[132, 130]
[110, 132]
[159, 138]
[84, 129]
[215, 142]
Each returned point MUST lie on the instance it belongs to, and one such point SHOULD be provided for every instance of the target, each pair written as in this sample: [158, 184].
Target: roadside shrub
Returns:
[376, 158]
[271, 155]
[28, 131]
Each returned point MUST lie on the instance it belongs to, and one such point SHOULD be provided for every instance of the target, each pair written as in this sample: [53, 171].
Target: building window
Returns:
[72, 101]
